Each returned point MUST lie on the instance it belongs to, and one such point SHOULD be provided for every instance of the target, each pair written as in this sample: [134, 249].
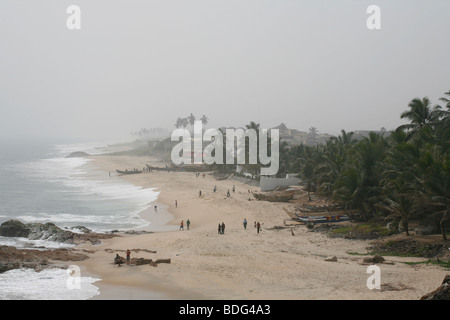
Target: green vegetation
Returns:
[361, 231]
[408, 248]
[399, 176]
[443, 264]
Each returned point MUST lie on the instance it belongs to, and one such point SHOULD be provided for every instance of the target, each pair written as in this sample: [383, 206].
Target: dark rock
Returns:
[82, 229]
[441, 293]
[14, 228]
[49, 231]
[13, 258]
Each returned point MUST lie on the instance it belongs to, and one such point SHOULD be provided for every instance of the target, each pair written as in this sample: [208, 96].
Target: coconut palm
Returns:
[191, 120]
[421, 116]
[184, 122]
[204, 120]
[179, 123]
[401, 181]
[446, 100]
[435, 177]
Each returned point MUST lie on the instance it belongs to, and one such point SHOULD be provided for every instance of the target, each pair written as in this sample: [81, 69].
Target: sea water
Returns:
[39, 184]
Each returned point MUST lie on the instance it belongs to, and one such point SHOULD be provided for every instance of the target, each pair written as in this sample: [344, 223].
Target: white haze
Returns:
[142, 64]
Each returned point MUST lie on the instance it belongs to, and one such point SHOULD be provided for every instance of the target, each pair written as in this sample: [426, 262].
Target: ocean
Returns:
[39, 184]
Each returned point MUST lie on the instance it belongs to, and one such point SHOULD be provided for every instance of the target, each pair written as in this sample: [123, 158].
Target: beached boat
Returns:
[323, 219]
[128, 171]
[275, 197]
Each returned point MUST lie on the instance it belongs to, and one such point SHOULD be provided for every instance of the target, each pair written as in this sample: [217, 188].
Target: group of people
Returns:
[188, 223]
[197, 174]
[119, 260]
[221, 228]
[215, 189]
[257, 225]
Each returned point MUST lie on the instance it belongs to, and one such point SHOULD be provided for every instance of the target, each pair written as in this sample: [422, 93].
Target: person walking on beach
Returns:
[258, 227]
[128, 256]
[234, 187]
[228, 193]
[245, 223]
[219, 229]
[176, 204]
[223, 228]
[182, 225]
[188, 223]
[200, 193]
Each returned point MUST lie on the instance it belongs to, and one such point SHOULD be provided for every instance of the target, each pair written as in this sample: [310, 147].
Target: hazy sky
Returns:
[136, 64]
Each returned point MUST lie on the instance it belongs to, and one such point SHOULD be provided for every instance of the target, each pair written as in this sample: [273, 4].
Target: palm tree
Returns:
[284, 159]
[346, 188]
[336, 154]
[254, 169]
[184, 122]
[435, 178]
[310, 158]
[421, 115]
[312, 136]
[204, 120]
[179, 123]
[446, 100]
[400, 181]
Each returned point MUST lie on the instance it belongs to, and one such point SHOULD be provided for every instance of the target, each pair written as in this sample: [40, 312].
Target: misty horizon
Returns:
[135, 65]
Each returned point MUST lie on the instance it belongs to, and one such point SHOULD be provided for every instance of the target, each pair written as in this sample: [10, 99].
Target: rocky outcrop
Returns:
[13, 258]
[49, 231]
[441, 293]
[14, 228]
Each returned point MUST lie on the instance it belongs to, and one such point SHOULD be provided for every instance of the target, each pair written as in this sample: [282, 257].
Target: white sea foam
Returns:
[49, 284]
[26, 243]
[100, 202]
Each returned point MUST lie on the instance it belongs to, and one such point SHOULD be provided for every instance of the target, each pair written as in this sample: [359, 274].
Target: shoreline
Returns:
[279, 263]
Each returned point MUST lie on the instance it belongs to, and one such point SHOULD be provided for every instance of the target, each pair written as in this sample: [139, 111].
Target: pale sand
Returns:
[241, 264]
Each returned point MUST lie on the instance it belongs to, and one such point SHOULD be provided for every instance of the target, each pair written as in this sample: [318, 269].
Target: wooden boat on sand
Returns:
[129, 171]
[275, 197]
[323, 219]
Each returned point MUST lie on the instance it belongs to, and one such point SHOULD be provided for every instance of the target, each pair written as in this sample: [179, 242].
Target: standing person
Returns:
[200, 193]
[245, 223]
[219, 229]
[176, 204]
[128, 256]
[182, 225]
[228, 193]
[188, 223]
[223, 228]
[258, 227]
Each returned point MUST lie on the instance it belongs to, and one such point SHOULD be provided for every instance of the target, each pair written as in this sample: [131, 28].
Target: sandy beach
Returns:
[278, 263]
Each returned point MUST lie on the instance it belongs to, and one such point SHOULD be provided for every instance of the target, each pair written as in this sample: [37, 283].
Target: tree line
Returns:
[401, 175]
